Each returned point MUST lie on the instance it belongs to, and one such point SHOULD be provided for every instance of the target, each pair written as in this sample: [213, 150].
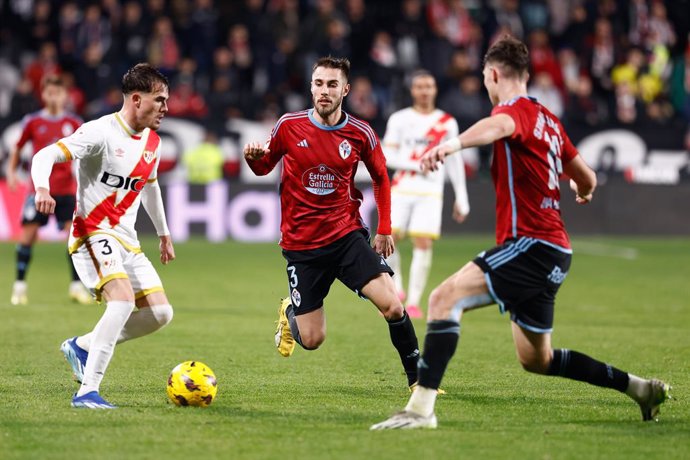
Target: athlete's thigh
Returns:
[532, 347]
[464, 290]
[309, 282]
[425, 218]
[358, 264]
[143, 276]
[98, 260]
[401, 207]
[381, 291]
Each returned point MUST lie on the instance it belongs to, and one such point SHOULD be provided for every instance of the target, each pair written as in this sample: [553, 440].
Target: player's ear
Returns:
[136, 99]
[346, 91]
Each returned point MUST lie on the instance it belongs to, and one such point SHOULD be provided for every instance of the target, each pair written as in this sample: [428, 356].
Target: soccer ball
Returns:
[192, 383]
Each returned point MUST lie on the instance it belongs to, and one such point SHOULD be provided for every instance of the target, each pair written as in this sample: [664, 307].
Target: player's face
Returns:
[423, 91]
[152, 107]
[54, 97]
[328, 88]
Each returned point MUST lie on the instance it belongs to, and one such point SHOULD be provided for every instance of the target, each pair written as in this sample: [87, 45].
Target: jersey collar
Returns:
[325, 127]
[129, 131]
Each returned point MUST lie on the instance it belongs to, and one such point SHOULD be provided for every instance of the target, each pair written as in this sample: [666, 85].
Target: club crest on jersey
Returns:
[149, 156]
[345, 149]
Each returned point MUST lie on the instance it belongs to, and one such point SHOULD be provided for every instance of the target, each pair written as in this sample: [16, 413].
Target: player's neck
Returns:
[53, 111]
[331, 120]
[130, 120]
[423, 109]
[511, 91]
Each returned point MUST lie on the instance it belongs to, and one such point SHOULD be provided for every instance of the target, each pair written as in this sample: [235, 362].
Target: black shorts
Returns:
[312, 272]
[64, 211]
[523, 276]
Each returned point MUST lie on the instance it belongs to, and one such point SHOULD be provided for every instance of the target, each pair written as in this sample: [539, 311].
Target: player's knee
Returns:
[163, 314]
[312, 342]
[393, 312]
[535, 365]
[436, 303]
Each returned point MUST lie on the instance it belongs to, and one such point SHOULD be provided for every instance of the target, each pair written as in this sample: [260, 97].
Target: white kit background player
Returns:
[417, 198]
[118, 158]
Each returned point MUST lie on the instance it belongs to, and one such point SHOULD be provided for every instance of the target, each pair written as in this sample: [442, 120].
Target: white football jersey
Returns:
[409, 134]
[114, 165]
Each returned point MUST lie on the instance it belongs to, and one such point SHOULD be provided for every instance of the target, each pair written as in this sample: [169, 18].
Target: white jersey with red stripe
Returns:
[409, 134]
[115, 164]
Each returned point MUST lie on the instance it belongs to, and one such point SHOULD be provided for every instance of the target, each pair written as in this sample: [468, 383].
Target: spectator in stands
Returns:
[186, 102]
[43, 26]
[132, 35]
[543, 88]
[45, 64]
[410, 30]
[466, 101]
[582, 107]
[23, 100]
[163, 49]
[94, 29]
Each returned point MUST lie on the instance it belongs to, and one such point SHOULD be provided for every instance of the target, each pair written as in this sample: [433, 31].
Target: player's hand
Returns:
[384, 245]
[432, 158]
[167, 249]
[580, 199]
[44, 202]
[254, 151]
[458, 216]
[12, 180]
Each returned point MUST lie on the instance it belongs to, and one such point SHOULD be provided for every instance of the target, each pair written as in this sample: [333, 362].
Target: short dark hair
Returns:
[52, 80]
[331, 62]
[511, 54]
[420, 73]
[142, 77]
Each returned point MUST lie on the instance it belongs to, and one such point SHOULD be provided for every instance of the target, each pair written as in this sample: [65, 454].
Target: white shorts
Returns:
[416, 215]
[102, 258]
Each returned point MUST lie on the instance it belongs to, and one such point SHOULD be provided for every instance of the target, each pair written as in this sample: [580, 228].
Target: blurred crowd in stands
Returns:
[594, 62]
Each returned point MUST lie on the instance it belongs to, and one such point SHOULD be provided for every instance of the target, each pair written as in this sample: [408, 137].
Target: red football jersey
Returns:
[43, 129]
[318, 198]
[526, 168]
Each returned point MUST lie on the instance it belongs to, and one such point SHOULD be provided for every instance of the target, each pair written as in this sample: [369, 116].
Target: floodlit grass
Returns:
[625, 302]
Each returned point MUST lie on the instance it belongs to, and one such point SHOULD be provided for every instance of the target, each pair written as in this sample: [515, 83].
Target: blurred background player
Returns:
[43, 128]
[322, 232]
[524, 272]
[118, 157]
[417, 198]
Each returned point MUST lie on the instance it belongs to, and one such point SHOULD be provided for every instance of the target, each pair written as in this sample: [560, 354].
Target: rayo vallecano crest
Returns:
[345, 149]
[149, 156]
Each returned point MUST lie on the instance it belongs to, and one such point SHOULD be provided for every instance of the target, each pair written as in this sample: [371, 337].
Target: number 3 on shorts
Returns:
[107, 250]
[292, 274]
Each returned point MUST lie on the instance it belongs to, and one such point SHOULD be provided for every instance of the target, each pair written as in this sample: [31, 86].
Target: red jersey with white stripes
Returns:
[318, 198]
[526, 168]
[42, 129]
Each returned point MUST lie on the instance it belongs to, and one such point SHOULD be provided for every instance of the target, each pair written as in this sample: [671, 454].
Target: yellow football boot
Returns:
[284, 340]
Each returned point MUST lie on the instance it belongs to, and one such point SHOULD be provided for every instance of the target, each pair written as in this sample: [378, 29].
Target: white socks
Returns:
[142, 322]
[393, 262]
[422, 401]
[103, 339]
[419, 273]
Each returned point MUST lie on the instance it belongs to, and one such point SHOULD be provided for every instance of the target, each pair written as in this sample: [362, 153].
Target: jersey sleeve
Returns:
[519, 118]
[275, 144]
[26, 132]
[86, 141]
[375, 162]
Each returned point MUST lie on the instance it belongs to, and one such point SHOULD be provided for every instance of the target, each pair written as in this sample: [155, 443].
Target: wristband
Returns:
[453, 144]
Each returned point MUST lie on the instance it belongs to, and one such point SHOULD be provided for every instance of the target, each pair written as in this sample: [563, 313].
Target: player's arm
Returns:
[455, 166]
[41, 167]
[13, 160]
[375, 163]
[484, 132]
[152, 200]
[583, 180]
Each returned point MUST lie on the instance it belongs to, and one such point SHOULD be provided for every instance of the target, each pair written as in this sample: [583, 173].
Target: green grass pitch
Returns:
[625, 302]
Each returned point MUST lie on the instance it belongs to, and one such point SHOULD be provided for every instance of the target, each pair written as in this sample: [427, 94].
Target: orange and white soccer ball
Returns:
[192, 383]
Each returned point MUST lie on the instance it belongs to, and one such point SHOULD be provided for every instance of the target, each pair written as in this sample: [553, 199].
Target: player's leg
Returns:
[464, 290]
[536, 355]
[382, 293]
[301, 317]
[64, 209]
[424, 228]
[401, 208]
[419, 274]
[32, 220]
